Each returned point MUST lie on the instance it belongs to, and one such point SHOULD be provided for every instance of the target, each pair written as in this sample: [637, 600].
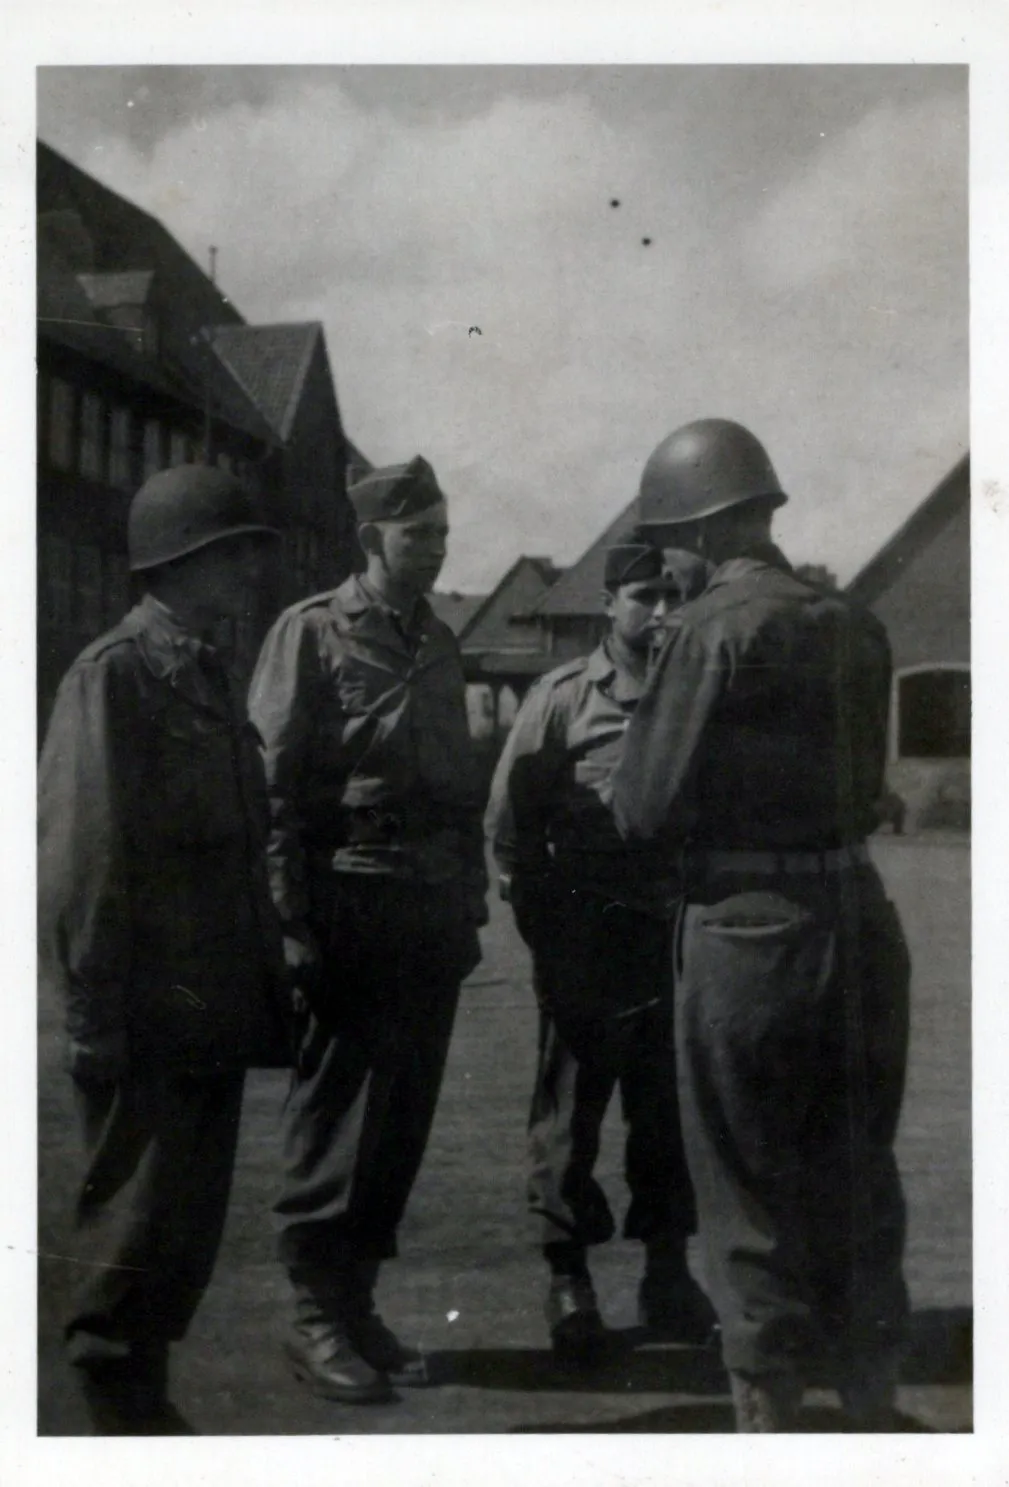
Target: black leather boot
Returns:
[577, 1331]
[669, 1299]
[405, 1367]
[321, 1351]
[869, 1392]
[765, 1404]
[125, 1387]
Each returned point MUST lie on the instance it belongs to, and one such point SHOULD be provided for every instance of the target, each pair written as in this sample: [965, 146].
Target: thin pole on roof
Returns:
[209, 334]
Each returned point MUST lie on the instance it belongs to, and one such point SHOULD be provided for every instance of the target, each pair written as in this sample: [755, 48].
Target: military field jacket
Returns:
[155, 917]
[549, 809]
[369, 761]
[763, 725]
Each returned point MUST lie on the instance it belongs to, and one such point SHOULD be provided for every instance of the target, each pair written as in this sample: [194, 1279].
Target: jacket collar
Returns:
[760, 555]
[358, 599]
[356, 595]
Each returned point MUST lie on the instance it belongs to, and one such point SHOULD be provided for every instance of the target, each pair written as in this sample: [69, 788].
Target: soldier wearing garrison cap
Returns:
[597, 917]
[157, 928]
[378, 872]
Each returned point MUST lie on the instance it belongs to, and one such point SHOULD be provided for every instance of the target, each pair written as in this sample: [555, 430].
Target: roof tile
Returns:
[577, 590]
[270, 362]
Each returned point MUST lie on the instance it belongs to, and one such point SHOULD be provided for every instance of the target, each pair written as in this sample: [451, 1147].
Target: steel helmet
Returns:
[702, 468]
[178, 511]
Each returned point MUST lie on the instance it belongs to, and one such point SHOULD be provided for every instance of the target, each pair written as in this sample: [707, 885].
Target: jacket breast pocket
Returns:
[360, 687]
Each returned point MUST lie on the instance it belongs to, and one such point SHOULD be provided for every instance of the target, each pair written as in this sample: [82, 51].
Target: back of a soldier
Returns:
[805, 708]
[757, 757]
[791, 956]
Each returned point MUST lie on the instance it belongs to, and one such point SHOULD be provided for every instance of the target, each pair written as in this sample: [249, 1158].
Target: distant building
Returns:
[502, 646]
[919, 586]
[284, 370]
[570, 615]
[456, 610]
[143, 363]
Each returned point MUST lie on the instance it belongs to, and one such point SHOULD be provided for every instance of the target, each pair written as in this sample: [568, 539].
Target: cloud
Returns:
[887, 196]
[830, 314]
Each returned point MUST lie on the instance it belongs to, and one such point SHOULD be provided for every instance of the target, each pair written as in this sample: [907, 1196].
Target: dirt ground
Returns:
[468, 1286]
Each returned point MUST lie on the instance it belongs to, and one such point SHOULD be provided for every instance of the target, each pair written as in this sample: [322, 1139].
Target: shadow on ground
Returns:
[940, 1347]
[713, 1418]
[939, 1351]
[665, 1371]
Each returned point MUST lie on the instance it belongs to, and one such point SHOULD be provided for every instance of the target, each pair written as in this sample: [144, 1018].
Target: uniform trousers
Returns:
[373, 1046]
[151, 1209]
[603, 982]
[791, 1033]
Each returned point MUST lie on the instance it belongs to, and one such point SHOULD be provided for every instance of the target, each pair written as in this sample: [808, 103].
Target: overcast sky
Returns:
[807, 271]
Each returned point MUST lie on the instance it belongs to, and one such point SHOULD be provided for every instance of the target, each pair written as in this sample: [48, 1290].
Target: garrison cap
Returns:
[632, 562]
[675, 570]
[396, 492]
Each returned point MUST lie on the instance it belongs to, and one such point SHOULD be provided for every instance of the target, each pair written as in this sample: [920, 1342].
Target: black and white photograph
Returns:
[503, 634]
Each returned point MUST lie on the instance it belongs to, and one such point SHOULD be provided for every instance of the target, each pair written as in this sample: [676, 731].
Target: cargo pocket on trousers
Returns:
[753, 959]
[754, 918]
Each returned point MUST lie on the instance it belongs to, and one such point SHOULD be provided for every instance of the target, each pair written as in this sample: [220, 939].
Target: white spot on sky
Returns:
[451, 1315]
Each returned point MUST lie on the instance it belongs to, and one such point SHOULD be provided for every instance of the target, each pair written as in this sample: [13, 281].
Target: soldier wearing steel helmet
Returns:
[756, 757]
[158, 931]
[597, 917]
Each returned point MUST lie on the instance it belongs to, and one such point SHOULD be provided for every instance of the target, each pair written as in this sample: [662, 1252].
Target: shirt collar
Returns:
[615, 680]
[357, 595]
[166, 642]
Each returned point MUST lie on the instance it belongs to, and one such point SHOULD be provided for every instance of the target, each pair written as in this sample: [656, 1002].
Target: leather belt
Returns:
[833, 860]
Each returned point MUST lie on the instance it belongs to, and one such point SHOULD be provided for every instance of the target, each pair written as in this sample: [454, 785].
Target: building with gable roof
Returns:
[502, 646]
[455, 610]
[144, 363]
[569, 614]
[918, 584]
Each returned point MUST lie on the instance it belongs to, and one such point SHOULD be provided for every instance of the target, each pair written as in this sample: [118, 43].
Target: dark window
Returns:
[121, 449]
[154, 448]
[302, 548]
[92, 436]
[61, 424]
[56, 580]
[116, 587]
[934, 714]
[294, 556]
[180, 448]
[89, 589]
